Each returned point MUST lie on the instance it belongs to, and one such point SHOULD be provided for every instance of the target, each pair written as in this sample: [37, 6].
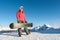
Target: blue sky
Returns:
[37, 11]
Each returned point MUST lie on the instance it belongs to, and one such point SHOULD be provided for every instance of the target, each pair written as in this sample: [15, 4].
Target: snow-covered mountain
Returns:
[36, 28]
[43, 27]
[46, 29]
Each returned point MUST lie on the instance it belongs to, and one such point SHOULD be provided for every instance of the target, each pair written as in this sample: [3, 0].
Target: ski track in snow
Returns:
[32, 36]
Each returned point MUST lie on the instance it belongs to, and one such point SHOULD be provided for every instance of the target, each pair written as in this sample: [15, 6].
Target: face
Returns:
[21, 9]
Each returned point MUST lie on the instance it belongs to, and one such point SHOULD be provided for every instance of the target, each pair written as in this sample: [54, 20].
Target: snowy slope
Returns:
[32, 36]
[9, 34]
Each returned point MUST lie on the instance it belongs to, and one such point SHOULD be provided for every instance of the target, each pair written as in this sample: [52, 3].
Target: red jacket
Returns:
[20, 16]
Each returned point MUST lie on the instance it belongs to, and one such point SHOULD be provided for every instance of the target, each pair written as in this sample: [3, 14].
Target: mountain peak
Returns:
[46, 25]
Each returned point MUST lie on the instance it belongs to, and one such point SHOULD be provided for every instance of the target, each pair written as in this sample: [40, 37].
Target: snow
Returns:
[48, 25]
[5, 28]
[32, 36]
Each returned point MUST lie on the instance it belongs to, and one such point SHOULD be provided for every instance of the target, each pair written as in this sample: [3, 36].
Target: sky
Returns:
[38, 12]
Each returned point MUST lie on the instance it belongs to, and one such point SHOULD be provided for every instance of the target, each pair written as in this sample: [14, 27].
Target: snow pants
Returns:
[20, 30]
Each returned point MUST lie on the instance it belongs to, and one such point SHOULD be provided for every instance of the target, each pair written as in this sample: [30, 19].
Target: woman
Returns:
[21, 19]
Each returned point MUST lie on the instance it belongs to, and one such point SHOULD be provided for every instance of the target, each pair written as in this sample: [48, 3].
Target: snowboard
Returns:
[20, 25]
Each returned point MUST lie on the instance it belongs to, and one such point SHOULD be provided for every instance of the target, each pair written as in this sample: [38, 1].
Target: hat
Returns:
[21, 7]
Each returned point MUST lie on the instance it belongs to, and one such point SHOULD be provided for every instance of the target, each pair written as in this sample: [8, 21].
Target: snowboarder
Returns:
[21, 19]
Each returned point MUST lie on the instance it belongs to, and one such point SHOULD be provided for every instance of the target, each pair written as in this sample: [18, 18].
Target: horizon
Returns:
[39, 12]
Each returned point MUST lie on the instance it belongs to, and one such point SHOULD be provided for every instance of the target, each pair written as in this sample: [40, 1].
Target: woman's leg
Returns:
[26, 30]
[19, 31]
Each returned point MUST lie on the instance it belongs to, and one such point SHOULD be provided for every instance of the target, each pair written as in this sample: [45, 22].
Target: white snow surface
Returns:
[5, 28]
[32, 36]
